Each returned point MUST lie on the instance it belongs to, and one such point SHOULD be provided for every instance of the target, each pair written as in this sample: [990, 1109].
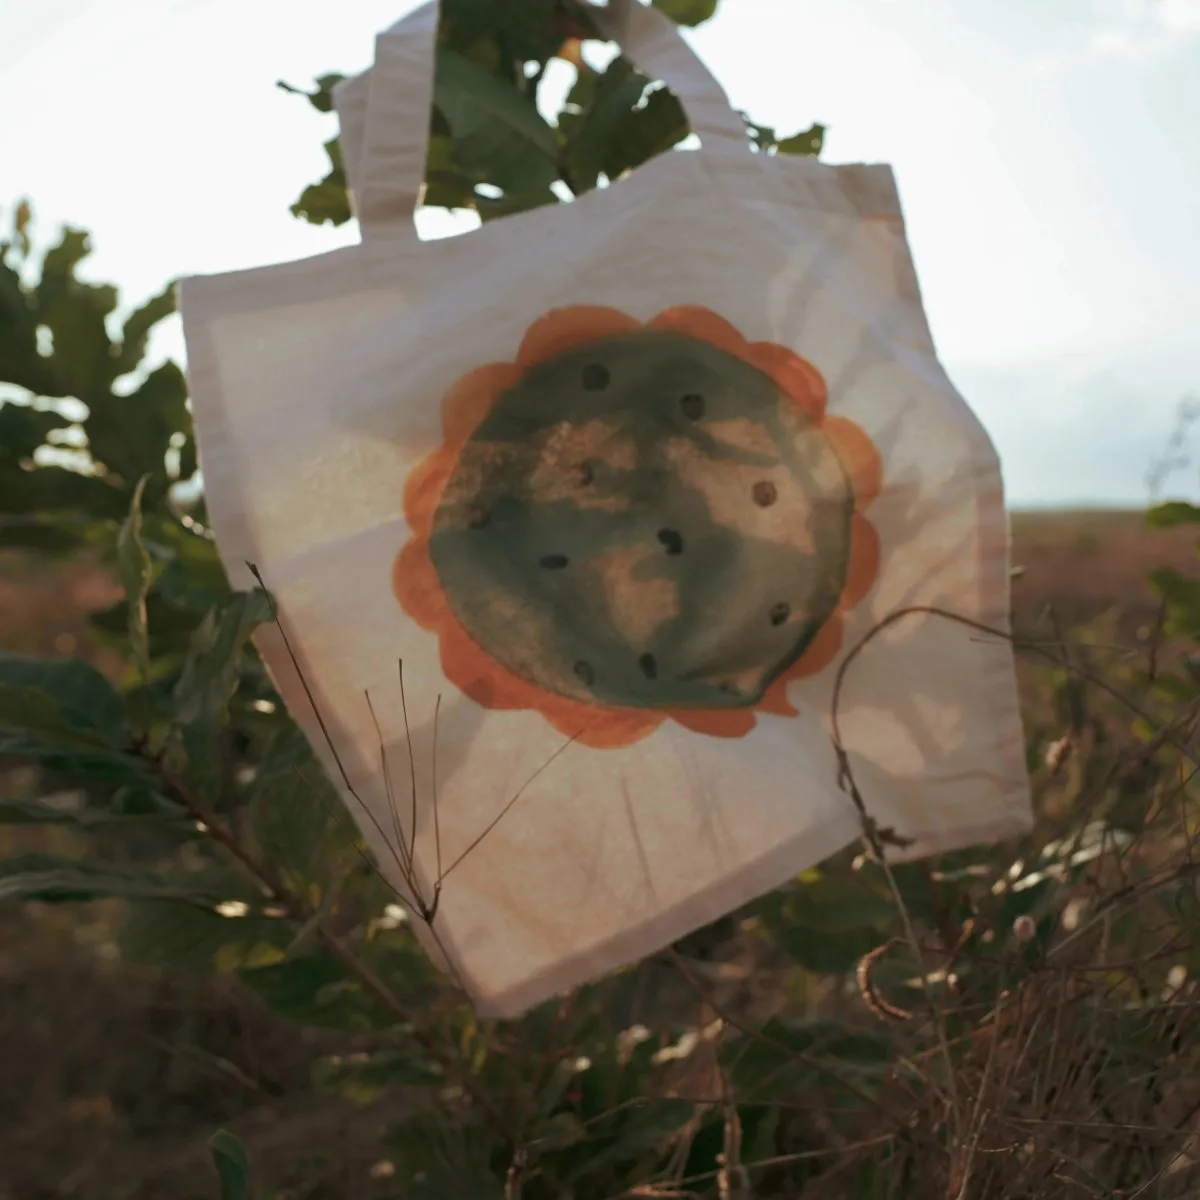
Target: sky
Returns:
[1046, 154]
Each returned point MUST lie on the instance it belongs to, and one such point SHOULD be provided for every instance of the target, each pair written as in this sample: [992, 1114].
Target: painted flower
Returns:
[639, 522]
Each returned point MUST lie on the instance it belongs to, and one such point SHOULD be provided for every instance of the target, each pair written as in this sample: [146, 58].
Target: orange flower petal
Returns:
[563, 329]
[468, 401]
[858, 456]
[423, 491]
[601, 728]
[822, 650]
[704, 325]
[864, 561]
[795, 376]
[491, 686]
[477, 674]
[716, 722]
[775, 699]
[416, 586]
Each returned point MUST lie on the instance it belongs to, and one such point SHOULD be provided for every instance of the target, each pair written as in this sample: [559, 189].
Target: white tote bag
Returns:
[621, 483]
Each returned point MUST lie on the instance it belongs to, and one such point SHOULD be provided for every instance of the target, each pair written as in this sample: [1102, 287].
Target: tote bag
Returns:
[574, 522]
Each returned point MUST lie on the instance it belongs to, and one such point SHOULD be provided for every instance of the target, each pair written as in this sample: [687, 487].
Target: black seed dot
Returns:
[693, 406]
[780, 613]
[672, 540]
[728, 689]
[477, 517]
[553, 562]
[764, 493]
[585, 474]
[649, 666]
[595, 377]
[585, 673]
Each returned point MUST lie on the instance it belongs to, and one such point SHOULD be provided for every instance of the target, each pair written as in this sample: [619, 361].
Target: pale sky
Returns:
[1046, 151]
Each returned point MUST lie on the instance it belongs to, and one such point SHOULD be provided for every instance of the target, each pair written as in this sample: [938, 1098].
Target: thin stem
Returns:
[412, 771]
[297, 910]
[437, 829]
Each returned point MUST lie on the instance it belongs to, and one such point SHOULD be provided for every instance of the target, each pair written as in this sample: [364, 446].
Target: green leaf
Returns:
[528, 29]
[497, 130]
[20, 811]
[361, 1077]
[54, 878]
[1183, 596]
[762, 137]
[189, 459]
[72, 703]
[33, 725]
[654, 1124]
[1174, 512]
[83, 352]
[512, 202]
[463, 1183]
[788, 1057]
[29, 712]
[192, 577]
[133, 567]
[210, 674]
[324, 203]
[652, 129]
[592, 145]
[82, 762]
[807, 141]
[687, 12]
[58, 268]
[49, 492]
[286, 754]
[329, 200]
[229, 1157]
[449, 189]
[837, 903]
[23, 429]
[825, 953]
[827, 923]
[442, 1158]
[131, 434]
[45, 535]
[65, 714]
[315, 990]
[497, 35]
[21, 363]
[321, 97]
[135, 333]
[186, 936]
[559, 1132]
[171, 628]
[296, 816]
[21, 222]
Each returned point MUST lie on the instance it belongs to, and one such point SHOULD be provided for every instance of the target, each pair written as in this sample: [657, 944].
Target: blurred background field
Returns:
[113, 1077]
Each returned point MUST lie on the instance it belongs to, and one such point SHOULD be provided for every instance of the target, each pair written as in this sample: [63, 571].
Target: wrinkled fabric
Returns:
[619, 484]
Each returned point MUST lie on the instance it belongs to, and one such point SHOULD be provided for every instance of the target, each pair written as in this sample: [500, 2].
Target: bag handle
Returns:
[350, 100]
[384, 148]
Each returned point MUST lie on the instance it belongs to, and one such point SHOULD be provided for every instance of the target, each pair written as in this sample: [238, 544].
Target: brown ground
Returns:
[1083, 564]
[112, 1079]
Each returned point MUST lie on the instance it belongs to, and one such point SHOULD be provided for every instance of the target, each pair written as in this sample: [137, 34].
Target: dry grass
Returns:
[113, 1075]
[1083, 564]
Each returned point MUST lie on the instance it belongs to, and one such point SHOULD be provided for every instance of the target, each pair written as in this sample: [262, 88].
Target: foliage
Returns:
[229, 1157]
[494, 150]
[1007, 1021]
